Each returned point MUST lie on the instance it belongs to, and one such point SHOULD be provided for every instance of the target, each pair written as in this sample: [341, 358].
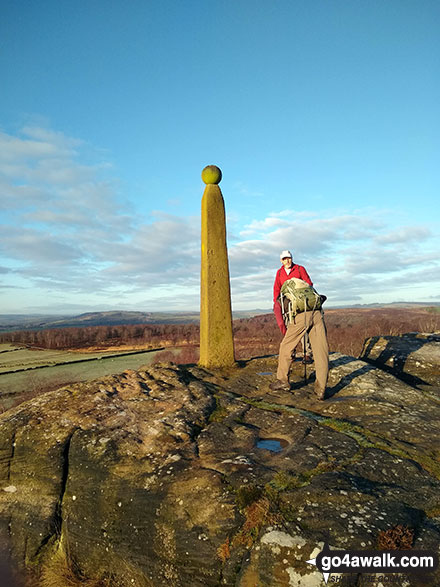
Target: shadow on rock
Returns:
[413, 357]
[347, 379]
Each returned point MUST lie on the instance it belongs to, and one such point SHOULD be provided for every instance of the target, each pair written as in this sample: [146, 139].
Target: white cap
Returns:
[285, 254]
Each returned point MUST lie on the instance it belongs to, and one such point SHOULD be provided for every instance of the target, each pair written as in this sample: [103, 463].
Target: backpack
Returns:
[298, 296]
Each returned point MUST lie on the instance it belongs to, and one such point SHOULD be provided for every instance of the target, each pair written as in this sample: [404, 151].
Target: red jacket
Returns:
[280, 278]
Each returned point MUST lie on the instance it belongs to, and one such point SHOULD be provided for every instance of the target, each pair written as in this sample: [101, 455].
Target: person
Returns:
[310, 321]
[288, 270]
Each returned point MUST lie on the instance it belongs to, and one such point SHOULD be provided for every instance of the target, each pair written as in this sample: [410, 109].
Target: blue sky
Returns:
[322, 115]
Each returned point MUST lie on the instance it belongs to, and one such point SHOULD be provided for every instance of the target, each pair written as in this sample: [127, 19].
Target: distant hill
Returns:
[11, 322]
[112, 318]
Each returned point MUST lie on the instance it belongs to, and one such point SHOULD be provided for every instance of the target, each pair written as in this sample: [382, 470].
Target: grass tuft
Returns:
[60, 571]
[257, 515]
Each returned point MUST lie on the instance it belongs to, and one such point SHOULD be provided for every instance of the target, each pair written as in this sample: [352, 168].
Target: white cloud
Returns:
[48, 136]
[404, 235]
[33, 246]
[16, 150]
[341, 253]
[163, 251]
[67, 231]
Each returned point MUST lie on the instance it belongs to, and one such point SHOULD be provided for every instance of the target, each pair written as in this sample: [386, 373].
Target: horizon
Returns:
[267, 310]
[323, 119]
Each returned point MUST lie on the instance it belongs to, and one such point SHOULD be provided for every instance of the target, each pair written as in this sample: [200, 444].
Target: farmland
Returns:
[27, 372]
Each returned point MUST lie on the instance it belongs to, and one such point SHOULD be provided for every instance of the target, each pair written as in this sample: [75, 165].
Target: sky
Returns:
[323, 117]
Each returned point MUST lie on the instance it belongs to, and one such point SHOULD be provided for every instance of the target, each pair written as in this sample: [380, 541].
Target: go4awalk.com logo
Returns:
[374, 561]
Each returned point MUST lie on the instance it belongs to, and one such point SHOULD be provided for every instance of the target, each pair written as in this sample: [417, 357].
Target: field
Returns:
[25, 373]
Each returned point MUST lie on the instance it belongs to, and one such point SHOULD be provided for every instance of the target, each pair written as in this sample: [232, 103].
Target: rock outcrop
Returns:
[180, 476]
[414, 357]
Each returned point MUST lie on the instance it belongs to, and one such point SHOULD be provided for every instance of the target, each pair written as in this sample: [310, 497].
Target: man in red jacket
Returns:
[313, 323]
[287, 271]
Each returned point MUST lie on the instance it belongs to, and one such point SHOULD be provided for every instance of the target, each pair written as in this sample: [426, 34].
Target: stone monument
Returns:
[216, 339]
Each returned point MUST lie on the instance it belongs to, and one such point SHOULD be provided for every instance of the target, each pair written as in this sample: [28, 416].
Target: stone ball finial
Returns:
[212, 174]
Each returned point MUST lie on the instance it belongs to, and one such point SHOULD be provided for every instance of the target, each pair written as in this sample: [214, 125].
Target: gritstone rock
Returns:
[154, 477]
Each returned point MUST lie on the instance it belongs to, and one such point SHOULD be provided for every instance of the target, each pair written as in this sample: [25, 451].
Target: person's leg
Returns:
[318, 340]
[292, 337]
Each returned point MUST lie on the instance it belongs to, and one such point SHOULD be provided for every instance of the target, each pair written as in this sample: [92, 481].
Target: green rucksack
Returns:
[298, 296]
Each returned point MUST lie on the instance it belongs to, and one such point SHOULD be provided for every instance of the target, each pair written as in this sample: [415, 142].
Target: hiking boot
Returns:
[307, 359]
[320, 392]
[279, 385]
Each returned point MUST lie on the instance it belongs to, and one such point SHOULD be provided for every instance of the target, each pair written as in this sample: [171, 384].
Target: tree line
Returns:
[151, 335]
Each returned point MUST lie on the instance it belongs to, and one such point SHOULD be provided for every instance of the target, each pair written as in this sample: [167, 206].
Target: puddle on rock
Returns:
[272, 444]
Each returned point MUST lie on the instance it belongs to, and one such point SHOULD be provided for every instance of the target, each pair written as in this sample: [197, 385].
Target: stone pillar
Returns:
[216, 340]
